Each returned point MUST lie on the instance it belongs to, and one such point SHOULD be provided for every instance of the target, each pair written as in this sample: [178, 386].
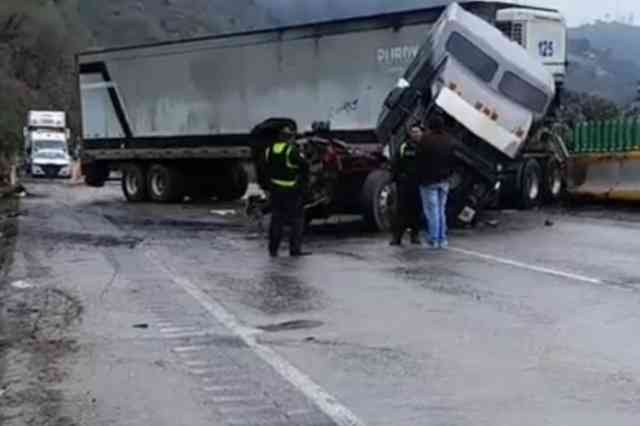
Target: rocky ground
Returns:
[33, 345]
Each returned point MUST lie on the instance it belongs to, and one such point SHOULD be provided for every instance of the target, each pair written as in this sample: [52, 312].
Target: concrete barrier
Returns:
[608, 176]
[628, 186]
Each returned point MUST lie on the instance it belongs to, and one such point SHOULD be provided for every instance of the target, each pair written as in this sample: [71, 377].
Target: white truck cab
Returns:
[47, 145]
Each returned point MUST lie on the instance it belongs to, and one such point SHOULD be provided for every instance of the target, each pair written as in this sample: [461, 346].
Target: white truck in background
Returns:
[46, 144]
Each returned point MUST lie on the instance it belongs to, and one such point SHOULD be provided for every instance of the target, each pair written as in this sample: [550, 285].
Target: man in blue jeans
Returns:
[435, 156]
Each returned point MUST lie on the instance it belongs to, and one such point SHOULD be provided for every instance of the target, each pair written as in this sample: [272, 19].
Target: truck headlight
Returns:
[37, 170]
[65, 171]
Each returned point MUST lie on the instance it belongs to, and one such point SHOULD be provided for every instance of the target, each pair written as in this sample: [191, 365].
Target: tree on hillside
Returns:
[38, 39]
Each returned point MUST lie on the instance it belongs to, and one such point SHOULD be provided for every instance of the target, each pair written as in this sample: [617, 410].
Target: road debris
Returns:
[223, 212]
[141, 326]
[21, 285]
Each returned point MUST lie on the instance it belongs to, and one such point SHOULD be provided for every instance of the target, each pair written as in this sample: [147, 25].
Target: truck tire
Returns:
[554, 181]
[134, 183]
[531, 184]
[378, 200]
[235, 183]
[165, 184]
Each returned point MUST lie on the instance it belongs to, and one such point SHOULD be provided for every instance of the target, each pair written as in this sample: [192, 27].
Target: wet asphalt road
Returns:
[186, 321]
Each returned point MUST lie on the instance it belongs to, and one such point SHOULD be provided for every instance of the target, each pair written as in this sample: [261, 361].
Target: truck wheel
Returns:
[134, 183]
[531, 184]
[378, 200]
[235, 183]
[553, 181]
[165, 184]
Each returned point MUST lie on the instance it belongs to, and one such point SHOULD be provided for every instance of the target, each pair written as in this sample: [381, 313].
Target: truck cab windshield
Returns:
[472, 57]
[523, 92]
[49, 145]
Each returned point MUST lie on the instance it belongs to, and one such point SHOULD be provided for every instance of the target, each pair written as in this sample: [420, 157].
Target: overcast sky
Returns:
[584, 11]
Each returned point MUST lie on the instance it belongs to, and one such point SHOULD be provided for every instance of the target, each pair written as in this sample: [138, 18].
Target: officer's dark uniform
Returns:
[409, 208]
[287, 173]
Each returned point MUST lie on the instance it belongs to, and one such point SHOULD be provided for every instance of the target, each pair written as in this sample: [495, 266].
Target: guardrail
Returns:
[607, 136]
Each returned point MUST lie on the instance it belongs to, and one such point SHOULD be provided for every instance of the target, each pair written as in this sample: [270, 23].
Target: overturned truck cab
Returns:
[495, 97]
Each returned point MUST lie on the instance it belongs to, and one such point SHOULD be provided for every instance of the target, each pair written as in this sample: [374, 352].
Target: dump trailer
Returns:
[176, 117]
[495, 97]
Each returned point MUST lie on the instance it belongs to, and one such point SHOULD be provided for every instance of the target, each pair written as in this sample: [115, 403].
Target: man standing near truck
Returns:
[287, 171]
[435, 156]
[405, 174]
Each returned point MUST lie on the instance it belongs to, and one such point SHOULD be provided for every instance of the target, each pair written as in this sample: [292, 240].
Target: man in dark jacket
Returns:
[435, 157]
[408, 213]
[287, 171]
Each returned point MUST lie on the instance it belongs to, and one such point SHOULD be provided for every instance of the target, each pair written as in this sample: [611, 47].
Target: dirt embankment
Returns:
[32, 340]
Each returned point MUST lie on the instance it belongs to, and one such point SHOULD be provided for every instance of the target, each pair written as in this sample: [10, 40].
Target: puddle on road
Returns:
[273, 293]
[197, 225]
[73, 238]
[439, 280]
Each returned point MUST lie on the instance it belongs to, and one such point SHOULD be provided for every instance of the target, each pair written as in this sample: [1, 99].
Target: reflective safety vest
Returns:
[284, 174]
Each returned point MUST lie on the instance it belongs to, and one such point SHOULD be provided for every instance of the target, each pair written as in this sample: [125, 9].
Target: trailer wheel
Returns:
[134, 183]
[553, 181]
[531, 185]
[165, 184]
[235, 183]
[378, 200]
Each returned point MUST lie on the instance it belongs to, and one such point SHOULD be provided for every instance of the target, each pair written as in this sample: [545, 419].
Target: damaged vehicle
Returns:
[495, 98]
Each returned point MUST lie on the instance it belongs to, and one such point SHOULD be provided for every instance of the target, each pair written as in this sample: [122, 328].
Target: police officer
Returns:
[405, 171]
[288, 172]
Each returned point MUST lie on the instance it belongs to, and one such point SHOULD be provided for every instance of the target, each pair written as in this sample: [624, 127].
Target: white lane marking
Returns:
[225, 389]
[202, 333]
[185, 349]
[534, 268]
[179, 329]
[197, 363]
[340, 414]
[213, 370]
[228, 399]
[236, 379]
[243, 409]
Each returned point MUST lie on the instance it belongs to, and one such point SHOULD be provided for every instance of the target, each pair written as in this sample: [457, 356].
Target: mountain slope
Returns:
[605, 61]
[125, 22]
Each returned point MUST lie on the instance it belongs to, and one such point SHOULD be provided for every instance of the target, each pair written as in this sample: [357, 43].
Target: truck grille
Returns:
[51, 171]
